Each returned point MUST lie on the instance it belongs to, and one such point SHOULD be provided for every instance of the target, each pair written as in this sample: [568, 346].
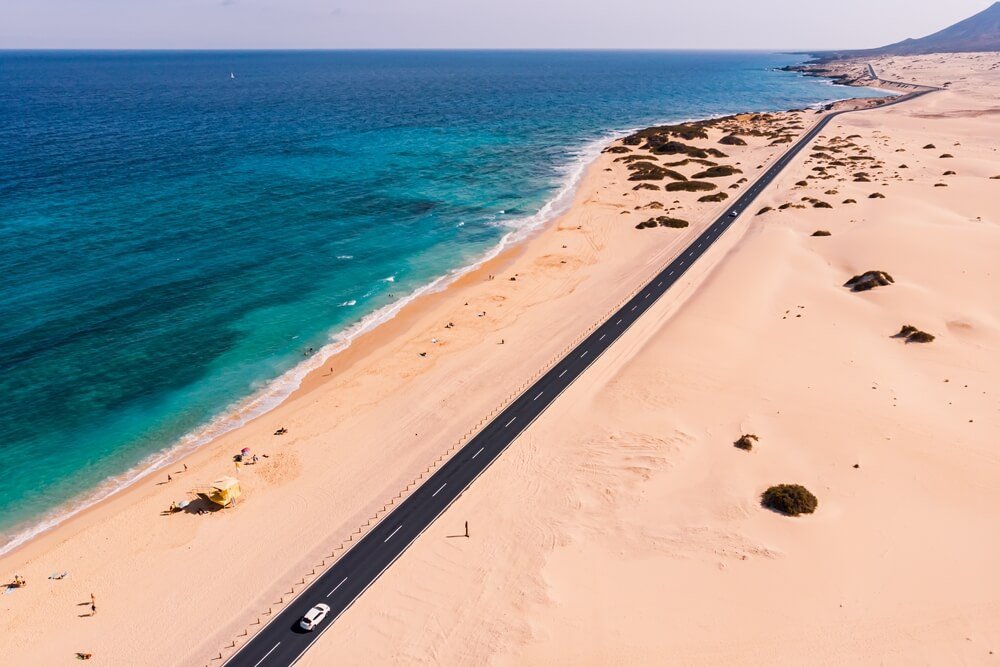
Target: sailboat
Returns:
[232, 76]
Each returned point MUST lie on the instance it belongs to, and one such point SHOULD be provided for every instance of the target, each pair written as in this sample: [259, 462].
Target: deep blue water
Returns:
[172, 238]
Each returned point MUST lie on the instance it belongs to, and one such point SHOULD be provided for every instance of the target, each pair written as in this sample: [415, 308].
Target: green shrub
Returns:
[720, 171]
[869, 280]
[732, 140]
[718, 196]
[690, 186]
[617, 149]
[764, 210]
[919, 337]
[789, 499]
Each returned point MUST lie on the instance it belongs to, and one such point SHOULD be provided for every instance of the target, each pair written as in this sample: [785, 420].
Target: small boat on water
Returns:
[232, 75]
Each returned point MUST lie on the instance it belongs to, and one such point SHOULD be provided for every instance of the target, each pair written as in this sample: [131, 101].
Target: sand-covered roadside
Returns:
[624, 527]
[181, 588]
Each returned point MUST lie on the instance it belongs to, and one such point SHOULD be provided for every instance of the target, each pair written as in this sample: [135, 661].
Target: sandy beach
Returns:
[624, 526]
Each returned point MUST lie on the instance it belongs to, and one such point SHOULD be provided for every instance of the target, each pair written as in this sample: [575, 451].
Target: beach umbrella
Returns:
[245, 451]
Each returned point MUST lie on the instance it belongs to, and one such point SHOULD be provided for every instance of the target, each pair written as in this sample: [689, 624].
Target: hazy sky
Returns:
[333, 24]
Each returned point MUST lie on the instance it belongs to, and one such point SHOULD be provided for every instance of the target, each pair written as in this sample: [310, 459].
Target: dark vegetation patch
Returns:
[789, 499]
[718, 196]
[719, 171]
[869, 280]
[819, 203]
[929, 146]
[913, 334]
[650, 171]
[690, 186]
[940, 185]
[689, 160]
[662, 221]
[946, 155]
[820, 232]
[948, 173]
[617, 149]
[627, 159]
[732, 140]
[745, 442]
[850, 201]
[876, 195]
[802, 183]
[764, 210]
[715, 152]
[646, 186]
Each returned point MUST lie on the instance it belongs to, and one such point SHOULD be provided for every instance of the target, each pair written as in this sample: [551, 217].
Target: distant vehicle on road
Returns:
[734, 214]
[314, 617]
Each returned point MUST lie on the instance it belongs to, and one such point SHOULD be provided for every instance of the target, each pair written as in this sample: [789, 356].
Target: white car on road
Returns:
[314, 617]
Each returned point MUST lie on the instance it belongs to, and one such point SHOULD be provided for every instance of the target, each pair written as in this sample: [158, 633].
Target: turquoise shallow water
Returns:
[173, 239]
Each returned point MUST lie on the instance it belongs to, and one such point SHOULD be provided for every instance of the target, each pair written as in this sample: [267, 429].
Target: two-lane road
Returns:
[281, 643]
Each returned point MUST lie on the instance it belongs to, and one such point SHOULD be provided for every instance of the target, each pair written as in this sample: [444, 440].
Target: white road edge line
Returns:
[336, 587]
[392, 533]
[439, 489]
[267, 654]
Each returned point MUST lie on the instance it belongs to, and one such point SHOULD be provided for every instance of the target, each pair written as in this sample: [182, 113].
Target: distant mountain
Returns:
[980, 32]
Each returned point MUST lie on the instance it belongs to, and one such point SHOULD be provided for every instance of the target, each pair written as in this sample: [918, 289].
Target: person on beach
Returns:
[93, 609]
[169, 478]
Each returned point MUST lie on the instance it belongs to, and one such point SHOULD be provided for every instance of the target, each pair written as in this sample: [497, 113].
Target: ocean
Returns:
[183, 235]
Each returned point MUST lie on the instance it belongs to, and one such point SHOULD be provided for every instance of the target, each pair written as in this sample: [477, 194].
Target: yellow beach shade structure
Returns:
[224, 491]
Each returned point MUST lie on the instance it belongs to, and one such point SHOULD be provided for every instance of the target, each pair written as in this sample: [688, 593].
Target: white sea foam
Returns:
[352, 302]
[345, 256]
[390, 279]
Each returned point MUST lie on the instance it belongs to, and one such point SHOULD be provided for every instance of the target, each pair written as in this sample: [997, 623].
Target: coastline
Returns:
[597, 251]
[304, 375]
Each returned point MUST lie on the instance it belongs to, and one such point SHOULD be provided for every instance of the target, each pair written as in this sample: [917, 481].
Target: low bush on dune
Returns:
[948, 173]
[617, 149]
[819, 203]
[677, 148]
[745, 442]
[732, 140]
[635, 157]
[718, 196]
[802, 183]
[662, 221]
[913, 334]
[650, 171]
[946, 155]
[940, 185]
[876, 195]
[715, 152]
[719, 171]
[850, 201]
[929, 147]
[820, 232]
[690, 186]
[646, 186]
[789, 499]
[764, 210]
[869, 280]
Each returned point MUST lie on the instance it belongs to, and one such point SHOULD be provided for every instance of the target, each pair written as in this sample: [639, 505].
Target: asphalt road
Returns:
[281, 643]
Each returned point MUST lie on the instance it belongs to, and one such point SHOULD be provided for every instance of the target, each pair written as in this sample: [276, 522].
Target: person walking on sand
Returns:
[93, 609]
[92, 599]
